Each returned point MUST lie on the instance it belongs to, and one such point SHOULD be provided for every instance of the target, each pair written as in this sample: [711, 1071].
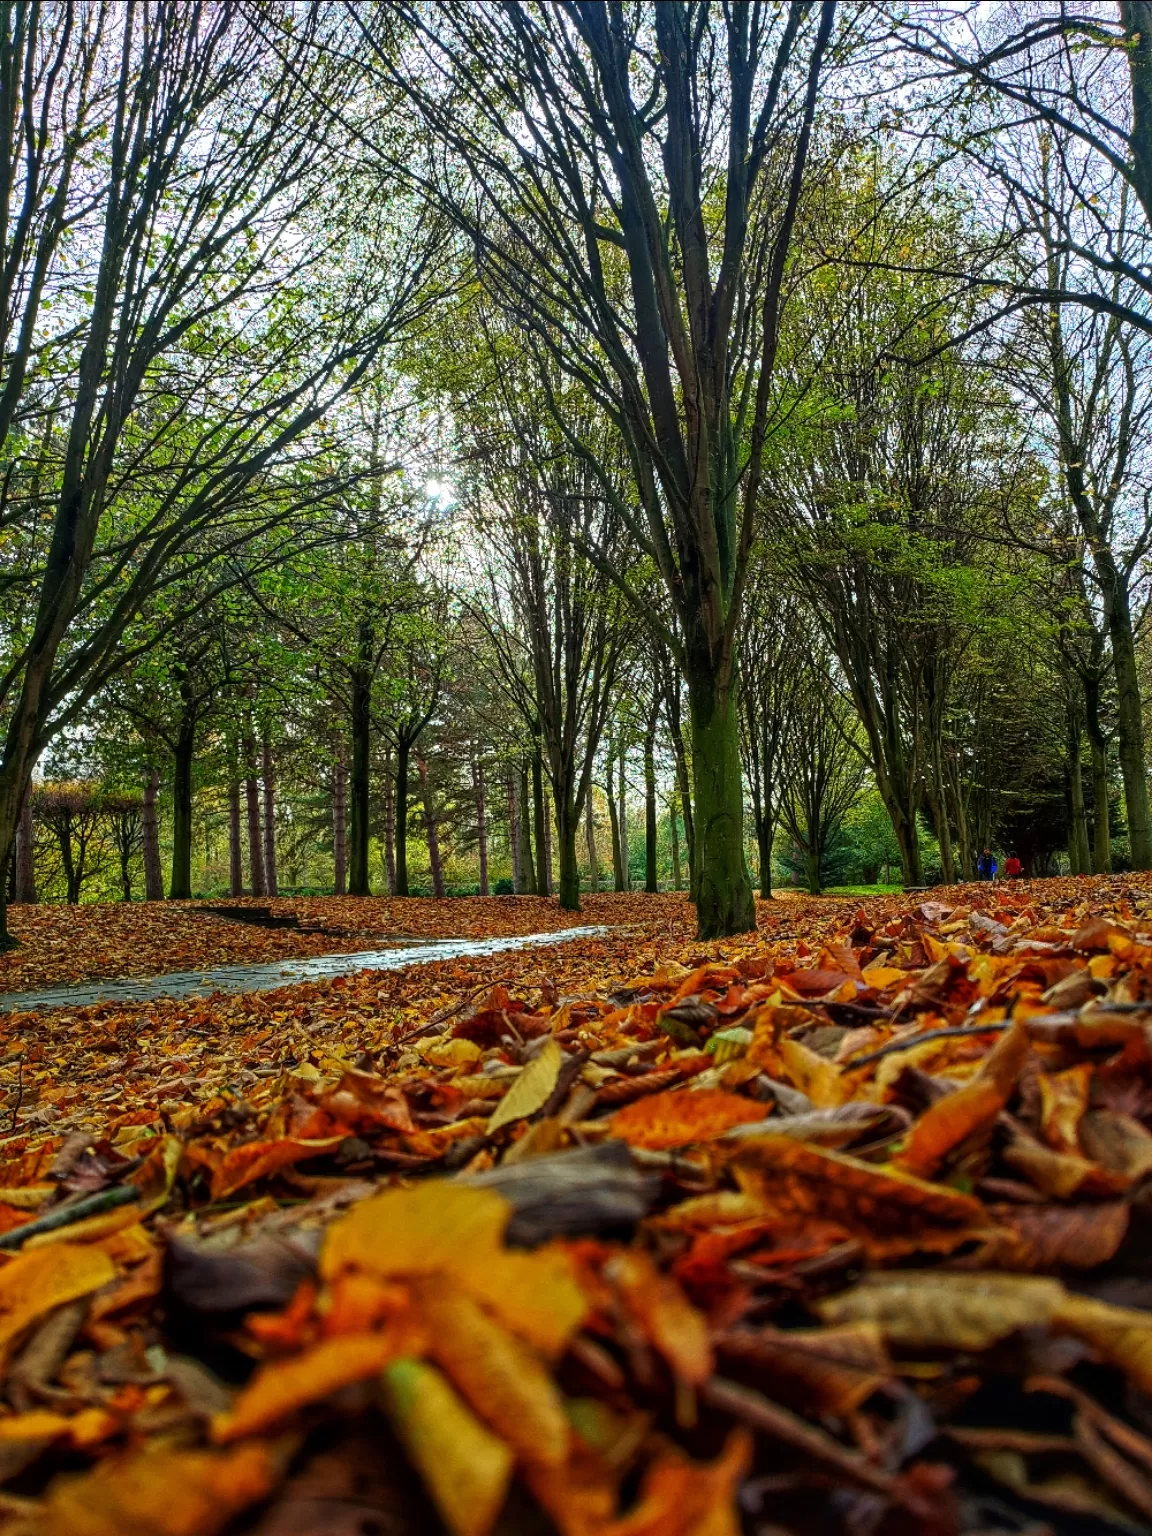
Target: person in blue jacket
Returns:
[986, 865]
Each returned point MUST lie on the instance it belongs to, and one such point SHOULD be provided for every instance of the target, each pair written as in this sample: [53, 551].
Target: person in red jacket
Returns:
[1013, 867]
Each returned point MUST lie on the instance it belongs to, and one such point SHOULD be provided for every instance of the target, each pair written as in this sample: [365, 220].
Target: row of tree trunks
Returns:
[25, 869]
[481, 823]
[339, 828]
[150, 836]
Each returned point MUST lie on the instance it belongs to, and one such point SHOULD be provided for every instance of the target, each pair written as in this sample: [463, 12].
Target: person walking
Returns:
[1013, 868]
[986, 865]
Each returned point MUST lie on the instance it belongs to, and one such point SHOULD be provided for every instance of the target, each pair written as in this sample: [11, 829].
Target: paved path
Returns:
[280, 973]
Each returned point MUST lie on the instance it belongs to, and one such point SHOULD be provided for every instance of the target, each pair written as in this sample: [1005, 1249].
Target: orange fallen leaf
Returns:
[680, 1116]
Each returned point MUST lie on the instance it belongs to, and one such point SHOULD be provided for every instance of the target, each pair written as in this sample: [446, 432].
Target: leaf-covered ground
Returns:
[60, 944]
[840, 1228]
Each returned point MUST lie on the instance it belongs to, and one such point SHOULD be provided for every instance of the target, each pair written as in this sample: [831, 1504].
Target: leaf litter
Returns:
[843, 1226]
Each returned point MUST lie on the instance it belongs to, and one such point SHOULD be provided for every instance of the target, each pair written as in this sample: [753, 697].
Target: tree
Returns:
[161, 175]
[823, 764]
[554, 618]
[639, 239]
[771, 670]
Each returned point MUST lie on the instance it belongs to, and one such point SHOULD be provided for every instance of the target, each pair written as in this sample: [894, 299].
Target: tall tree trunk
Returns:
[524, 833]
[764, 840]
[547, 882]
[1130, 733]
[540, 826]
[72, 874]
[360, 784]
[684, 784]
[674, 832]
[252, 803]
[434, 861]
[567, 829]
[268, 773]
[389, 789]
[403, 747]
[614, 822]
[812, 869]
[150, 839]
[1098, 743]
[340, 827]
[183, 758]
[723, 892]
[939, 813]
[514, 835]
[235, 852]
[650, 882]
[590, 839]
[622, 815]
[1079, 858]
[481, 822]
[25, 851]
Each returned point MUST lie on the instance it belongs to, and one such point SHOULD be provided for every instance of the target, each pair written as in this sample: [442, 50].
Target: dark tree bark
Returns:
[514, 835]
[403, 749]
[1098, 744]
[252, 807]
[622, 815]
[650, 880]
[1079, 859]
[389, 787]
[235, 848]
[590, 839]
[618, 872]
[674, 835]
[340, 827]
[25, 891]
[524, 832]
[361, 723]
[481, 822]
[540, 827]
[268, 773]
[150, 833]
[183, 760]
[432, 830]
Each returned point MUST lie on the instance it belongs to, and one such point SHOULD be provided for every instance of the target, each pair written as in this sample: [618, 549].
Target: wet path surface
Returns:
[281, 973]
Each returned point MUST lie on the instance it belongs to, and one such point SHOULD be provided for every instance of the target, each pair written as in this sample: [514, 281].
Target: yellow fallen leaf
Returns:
[933, 1310]
[532, 1089]
[280, 1387]
[465, 1468]
[447, 1228]
[814, 1074]
[36, 1282]
[436, 1225]
[1122, 1335]
[451, 1053]
[536, 1295]
[161, 1492]
[1063, 1100]
[498, 1375]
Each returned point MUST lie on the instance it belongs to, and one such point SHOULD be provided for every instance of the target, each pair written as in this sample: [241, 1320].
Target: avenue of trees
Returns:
[520, 447]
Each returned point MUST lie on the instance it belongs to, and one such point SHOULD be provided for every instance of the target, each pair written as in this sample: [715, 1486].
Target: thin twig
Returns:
[909, 1041]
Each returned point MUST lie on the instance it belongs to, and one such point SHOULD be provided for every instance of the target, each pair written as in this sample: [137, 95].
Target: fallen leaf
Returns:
[162, 1492]
[281, 1387]
[498, 1375]
[532, 1089]
[465, 1467]
[681, 1116]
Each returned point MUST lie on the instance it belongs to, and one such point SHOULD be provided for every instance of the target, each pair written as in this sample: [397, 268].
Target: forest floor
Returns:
[839, 1227]
[96, 941]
